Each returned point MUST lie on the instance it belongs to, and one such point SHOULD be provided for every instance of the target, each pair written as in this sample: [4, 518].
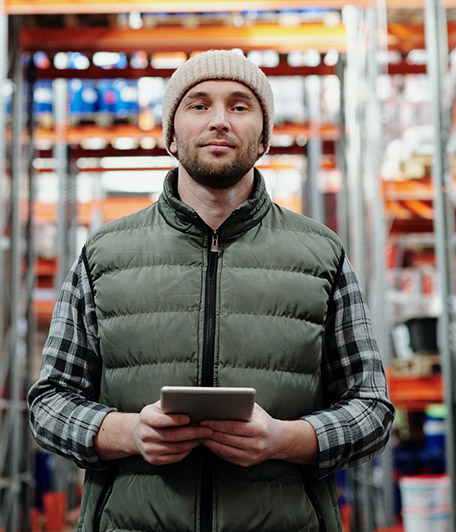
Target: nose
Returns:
[219, 120]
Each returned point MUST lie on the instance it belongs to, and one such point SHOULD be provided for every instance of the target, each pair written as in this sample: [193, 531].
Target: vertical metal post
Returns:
[72, 209]
[16, 347]
[315, 196]
[373, 161]
[352, 17]
[437, 47]
[59, 87]
[30, 279]
[376, 36]
[354, 119]
[3, 188]
[4, 242]
[341, 150]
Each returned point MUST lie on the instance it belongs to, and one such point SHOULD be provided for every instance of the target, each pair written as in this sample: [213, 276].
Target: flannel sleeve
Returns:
[65, 414]
[356, 424]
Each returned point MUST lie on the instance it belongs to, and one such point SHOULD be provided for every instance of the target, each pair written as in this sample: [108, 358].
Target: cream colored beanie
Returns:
[217, 64]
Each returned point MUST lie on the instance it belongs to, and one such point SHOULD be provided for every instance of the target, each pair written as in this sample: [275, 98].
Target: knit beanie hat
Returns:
[217, 64]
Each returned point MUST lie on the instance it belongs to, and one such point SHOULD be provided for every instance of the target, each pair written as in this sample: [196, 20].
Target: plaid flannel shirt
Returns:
[65, 415]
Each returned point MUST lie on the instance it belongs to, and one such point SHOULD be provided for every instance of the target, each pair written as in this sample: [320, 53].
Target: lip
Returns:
[218, 146]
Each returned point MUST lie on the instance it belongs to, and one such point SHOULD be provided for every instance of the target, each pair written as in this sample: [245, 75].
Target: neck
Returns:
[212, 205]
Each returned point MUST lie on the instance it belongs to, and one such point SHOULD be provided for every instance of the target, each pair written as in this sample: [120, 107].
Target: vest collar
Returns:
[185, 219]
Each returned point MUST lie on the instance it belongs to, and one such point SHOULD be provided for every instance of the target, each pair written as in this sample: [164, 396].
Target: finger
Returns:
[166, 453]
[252, 445]
[152, 415]
[172, 448]
[241, 428]
[167, 458]
[231, 440]
[231, 454]
[157, 419]
[181, 434]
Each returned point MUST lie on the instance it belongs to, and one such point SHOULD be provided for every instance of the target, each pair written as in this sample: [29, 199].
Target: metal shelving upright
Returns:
[16, 476]
[4, 242]
[365, 229]
[363, 119]
[444, 223]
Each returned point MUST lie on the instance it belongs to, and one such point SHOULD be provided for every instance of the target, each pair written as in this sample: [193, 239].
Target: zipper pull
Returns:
[214, 241]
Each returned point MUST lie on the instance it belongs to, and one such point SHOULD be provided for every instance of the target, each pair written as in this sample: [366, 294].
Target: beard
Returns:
[217, 171]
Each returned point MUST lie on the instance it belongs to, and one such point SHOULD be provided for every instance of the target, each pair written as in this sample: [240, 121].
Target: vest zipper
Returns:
[103, 499]
[207, 377]
[315, 504]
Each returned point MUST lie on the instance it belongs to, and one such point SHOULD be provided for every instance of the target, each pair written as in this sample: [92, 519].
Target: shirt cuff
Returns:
[84, 425]
[333, 443]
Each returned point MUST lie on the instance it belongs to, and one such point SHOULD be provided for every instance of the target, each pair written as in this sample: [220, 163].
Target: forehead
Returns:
[220, 87]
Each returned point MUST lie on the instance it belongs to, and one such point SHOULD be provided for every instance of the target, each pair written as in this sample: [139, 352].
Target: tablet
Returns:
[204, 403]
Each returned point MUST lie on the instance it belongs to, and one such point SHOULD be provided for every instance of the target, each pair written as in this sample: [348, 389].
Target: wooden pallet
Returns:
[420, 365]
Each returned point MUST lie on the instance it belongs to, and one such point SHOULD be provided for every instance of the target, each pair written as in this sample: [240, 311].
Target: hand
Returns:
[246, 443]
[166, 439]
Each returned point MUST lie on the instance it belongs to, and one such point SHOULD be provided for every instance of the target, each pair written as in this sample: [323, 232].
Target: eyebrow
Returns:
[195, 95]
[242, 94]
[204, 94]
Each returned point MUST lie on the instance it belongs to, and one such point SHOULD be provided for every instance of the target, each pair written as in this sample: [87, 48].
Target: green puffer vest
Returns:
[173, 312]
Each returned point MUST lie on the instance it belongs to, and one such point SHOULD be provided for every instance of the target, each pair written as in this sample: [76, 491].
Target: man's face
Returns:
[218, 132]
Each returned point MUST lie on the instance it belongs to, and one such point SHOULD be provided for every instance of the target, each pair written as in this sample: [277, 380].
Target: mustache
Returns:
[227, 139]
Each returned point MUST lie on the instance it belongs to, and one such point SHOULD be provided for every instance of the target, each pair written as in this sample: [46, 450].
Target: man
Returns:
[212, 286]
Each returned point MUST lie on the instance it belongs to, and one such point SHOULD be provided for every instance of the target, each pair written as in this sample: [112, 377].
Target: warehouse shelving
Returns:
[405, 203]
[248, 38]
[420, 203]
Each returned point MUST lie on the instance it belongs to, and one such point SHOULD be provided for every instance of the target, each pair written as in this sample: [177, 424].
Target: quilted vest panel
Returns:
[273, 280]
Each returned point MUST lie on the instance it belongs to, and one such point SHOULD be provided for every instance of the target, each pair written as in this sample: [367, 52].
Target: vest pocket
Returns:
[103, 498]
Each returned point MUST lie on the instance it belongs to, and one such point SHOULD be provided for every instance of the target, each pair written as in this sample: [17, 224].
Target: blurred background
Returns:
[364, 141]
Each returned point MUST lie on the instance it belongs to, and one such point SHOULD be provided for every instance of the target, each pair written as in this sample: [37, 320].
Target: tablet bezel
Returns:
[208, 403]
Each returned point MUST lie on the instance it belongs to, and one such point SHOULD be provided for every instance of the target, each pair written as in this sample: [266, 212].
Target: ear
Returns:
[261, 149]
[173, 145]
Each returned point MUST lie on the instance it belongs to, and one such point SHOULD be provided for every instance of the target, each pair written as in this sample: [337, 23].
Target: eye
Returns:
[240, 108]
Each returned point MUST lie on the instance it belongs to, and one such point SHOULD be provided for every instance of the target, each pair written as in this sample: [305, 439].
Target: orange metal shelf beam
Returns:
[18, 7]
[421, 209]
[405, 37]
[46, 267]
[111, 208]
[265, 36]
[75, 135]
[409, 204]
[178, 38]
[43, 310]
[162, 6]
[415, 393]
[282, 69]
[410, 189]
